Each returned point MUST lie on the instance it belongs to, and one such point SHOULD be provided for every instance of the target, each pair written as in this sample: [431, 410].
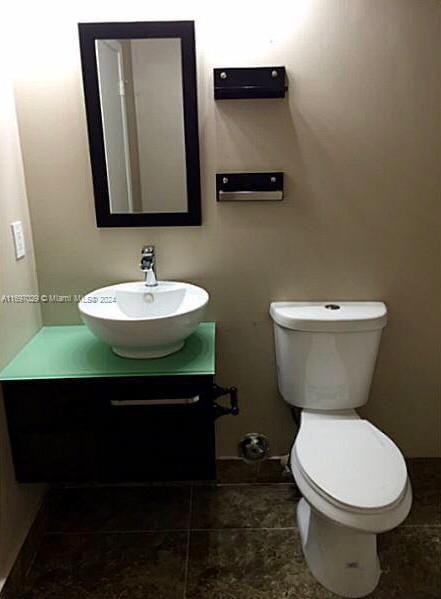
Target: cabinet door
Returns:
[157, 432]
[52, 427]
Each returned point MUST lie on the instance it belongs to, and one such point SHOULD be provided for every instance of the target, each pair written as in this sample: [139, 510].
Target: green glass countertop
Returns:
[60, 352]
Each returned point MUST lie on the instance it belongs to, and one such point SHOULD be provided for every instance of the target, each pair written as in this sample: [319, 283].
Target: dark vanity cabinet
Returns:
[78, 413]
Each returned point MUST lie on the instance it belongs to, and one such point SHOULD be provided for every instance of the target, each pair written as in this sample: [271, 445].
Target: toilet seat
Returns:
[349, 462]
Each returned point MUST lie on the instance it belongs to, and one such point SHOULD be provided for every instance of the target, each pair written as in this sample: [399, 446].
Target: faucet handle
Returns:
[147, 265]
[147, 258]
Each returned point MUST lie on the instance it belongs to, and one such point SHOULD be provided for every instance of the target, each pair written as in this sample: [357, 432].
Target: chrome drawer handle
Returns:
[181, 401]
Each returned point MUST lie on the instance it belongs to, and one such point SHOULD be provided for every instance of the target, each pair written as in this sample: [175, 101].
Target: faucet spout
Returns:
[150, 278]
[147, 265]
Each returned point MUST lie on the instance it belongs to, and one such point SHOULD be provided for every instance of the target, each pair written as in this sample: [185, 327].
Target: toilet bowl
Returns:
[352, 477]
[354, 484]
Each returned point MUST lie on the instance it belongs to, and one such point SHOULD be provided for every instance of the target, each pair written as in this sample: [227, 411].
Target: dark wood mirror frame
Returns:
[88, 34]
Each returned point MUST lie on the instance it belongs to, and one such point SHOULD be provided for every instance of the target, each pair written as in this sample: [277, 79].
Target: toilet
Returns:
[352, 477]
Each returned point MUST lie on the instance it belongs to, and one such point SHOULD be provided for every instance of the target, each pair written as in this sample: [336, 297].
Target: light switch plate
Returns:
[19, 241]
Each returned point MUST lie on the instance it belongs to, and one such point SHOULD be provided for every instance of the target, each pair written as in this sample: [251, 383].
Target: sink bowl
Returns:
[144, 322]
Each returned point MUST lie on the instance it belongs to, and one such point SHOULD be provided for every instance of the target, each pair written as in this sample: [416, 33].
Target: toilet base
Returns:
[342, 559]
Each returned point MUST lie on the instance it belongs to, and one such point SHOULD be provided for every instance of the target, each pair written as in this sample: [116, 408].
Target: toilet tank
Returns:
[326, 351]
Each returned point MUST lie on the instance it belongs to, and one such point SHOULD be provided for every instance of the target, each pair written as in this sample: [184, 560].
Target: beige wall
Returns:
[359, 140]
[18, 504]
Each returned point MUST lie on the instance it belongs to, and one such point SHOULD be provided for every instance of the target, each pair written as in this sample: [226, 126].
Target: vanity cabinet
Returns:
[78, 413]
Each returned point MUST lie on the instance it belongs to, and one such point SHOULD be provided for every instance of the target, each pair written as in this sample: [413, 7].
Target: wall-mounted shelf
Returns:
[257, 82]
[238, 187]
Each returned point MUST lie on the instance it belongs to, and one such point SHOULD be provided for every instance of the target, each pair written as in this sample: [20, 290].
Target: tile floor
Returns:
[234, 541]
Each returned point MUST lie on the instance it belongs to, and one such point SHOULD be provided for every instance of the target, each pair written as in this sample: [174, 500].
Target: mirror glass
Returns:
[142, 118]
[140, 86]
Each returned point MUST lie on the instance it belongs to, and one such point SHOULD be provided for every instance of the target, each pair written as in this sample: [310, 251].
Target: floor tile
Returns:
[14, 582]
[244, 544]
[410, 559]
[272, 471]
[109, 566]
[244, 506]
[249, 564]
[268, 564]
[119, 509]
[237, 471]
[425, 477]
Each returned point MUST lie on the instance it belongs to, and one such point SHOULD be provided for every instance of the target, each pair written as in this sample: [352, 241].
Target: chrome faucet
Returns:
[147, 265]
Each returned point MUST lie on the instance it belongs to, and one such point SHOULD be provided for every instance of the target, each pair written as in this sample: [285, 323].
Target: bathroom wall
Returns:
[359, 139]
[18, 322]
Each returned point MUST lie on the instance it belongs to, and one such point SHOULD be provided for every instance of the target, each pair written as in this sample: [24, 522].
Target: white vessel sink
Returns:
[144, 322]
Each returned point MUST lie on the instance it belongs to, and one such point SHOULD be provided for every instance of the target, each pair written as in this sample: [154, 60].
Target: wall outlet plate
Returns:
[19, 240]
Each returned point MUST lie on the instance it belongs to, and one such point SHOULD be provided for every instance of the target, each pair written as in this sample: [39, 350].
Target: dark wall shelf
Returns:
[256, 82]
[239, 187]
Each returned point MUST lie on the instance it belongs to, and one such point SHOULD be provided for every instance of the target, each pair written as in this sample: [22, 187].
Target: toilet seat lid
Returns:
[352, 462]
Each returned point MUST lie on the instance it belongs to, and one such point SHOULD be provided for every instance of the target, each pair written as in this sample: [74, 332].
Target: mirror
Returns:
[140, 92]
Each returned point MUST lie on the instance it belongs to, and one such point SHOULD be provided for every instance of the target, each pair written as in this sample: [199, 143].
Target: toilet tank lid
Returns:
[330, 316]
